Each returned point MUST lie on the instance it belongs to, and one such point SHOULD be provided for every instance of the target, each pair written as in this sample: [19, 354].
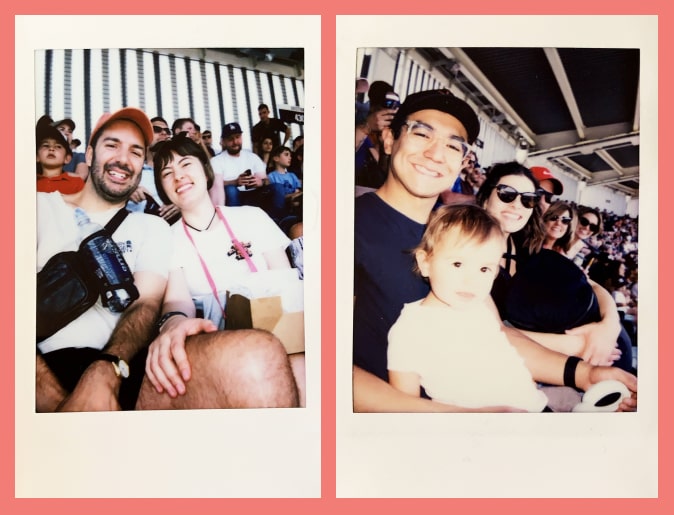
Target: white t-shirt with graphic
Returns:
[145, 242]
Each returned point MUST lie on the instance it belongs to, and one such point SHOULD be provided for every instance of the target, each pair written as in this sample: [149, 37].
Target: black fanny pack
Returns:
[67, 286]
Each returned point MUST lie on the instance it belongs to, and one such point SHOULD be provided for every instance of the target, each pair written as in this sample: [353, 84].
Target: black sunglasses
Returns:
[586, 223]
[158, 130]
[564, 219]
[508, 194]
[546, 194]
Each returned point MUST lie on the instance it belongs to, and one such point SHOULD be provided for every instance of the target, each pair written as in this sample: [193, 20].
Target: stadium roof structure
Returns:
[577, 107]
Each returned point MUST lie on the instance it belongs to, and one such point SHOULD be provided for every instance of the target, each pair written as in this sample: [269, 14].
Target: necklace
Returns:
[207, 227]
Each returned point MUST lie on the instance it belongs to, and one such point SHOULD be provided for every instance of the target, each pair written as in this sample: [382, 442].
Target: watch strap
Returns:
[117, 364]
[168, 315]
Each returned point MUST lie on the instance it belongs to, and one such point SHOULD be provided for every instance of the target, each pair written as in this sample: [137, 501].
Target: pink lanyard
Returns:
[237, 245]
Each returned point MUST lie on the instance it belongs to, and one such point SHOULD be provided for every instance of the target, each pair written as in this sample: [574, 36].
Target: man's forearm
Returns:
[134, 329]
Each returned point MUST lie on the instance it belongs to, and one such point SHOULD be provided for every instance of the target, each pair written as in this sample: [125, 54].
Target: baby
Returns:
[451, 342]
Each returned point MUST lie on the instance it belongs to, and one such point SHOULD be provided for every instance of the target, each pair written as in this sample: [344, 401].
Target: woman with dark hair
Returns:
[214, 248]
[560, 224]
[536, 290]
[589, 224]
[264, 152]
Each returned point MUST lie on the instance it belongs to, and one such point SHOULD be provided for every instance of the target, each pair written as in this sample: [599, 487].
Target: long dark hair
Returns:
[533, 233]
[183, 146]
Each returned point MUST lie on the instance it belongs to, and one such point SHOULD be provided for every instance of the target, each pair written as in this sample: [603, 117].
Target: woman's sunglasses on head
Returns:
[586, 223]
[508, 194]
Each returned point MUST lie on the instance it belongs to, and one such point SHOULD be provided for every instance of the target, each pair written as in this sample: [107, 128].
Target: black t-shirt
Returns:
[383, 278]
[549, 294]
[273, 130]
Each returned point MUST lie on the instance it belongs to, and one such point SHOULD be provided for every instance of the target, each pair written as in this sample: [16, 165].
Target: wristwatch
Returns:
[168, 315]
[121, 367]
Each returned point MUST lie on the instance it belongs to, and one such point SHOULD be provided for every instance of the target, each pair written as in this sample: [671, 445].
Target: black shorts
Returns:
[69, 364]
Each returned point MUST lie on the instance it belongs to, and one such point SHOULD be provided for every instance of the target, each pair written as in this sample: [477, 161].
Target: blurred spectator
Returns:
[549, 184]
[207, 138]
[297, 164]
[581, 250]
[52, 153]
[286, 185]
[268, 127]
[240, 175]
[371, 162]
[297, 142]
[77, 163]
[146, 198]
[264, 152]
[362, 107]
[560, 225]
[467, 183]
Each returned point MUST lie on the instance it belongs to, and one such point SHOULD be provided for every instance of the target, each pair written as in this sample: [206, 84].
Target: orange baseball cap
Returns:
[132, 114]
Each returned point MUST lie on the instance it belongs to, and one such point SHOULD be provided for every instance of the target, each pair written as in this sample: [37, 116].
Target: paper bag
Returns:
[270, 300]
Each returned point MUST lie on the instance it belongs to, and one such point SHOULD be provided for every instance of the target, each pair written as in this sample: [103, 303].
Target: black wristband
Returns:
[168, 315]
[570, 371]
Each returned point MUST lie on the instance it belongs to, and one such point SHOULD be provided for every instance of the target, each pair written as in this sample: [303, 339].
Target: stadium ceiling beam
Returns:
[565, 87]
[480, 80]
[610, 161]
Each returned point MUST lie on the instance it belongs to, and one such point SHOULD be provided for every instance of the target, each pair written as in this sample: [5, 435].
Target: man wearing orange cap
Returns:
[84, 366]
[549, 184]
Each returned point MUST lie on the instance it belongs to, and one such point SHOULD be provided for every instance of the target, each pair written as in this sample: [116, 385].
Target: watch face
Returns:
[123, 368]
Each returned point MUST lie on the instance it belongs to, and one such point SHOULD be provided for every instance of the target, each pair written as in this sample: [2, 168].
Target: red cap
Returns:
[131, 114]
[543, 174]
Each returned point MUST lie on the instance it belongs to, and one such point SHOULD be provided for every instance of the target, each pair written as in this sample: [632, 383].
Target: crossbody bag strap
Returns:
[116, 221]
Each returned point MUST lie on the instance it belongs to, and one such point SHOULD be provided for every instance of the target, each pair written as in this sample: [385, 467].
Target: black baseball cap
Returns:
[440, 100]
[45, 131]
[231, 128]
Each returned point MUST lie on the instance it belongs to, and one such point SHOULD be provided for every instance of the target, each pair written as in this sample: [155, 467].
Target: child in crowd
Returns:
[52, 153]
[451, 342]
[280, 158]
[287, 186]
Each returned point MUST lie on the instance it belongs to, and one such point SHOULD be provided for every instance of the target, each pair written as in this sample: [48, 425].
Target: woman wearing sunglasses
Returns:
[589, 225]
[560, 223]
[548, 292]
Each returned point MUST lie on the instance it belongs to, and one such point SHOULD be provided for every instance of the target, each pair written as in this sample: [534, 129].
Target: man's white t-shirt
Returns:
[145, 242]
[462, 357]
[230, 167]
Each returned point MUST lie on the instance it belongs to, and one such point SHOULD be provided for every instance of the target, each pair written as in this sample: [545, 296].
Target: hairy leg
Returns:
[297, 364]
[246, 368]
